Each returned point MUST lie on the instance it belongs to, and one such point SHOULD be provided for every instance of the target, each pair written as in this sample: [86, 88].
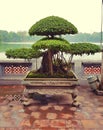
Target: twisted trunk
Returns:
[47, 65]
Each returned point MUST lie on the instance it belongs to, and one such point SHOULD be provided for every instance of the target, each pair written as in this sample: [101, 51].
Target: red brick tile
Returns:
[40, 123]
[51, 116]
[44, 108]
[2, 128]
[66, 116]
[36, 115]
[25, 123]
[11, 129]
[49, 128]
[73, 124]
[58, 123]
[30, 129]
[101, 123]
[58, 108]
[90, 124]
[68, 129]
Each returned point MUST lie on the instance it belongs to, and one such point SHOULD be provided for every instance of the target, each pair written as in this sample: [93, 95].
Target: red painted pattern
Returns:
[15, 69]
[92, 70]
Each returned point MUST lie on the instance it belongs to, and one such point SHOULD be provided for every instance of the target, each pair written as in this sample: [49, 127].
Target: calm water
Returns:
[14, 45]
[11, 45]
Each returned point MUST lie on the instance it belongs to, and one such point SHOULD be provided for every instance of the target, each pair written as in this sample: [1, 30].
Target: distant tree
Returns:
[4, 35]
[0, 39]
[24, 36]
[13, 37]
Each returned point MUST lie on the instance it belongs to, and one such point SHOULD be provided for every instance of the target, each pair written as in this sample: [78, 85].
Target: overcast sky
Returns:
[20, 15]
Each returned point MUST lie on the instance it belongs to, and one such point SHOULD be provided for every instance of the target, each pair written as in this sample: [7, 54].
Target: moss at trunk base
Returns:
[33, 74]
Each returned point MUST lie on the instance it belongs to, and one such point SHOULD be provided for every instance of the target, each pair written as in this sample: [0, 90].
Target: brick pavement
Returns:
[54, 116]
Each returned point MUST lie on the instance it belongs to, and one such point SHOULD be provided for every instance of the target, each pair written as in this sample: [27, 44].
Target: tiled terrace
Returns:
[54, 116]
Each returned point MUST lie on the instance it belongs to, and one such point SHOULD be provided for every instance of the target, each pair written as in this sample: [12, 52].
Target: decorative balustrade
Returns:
[14, 68]
[91, 68]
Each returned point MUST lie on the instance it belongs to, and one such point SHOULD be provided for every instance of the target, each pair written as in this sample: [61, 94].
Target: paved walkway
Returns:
[54, 116]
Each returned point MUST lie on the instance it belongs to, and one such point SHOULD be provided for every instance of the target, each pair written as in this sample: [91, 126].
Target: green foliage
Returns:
[14, 36]
[33, 74]
[23, 53]
[4, 35]
[84, 48]
[56, 44]
[52, 25]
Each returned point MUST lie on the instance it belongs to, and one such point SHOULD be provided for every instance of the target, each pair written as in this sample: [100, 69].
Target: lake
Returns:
[14, 45]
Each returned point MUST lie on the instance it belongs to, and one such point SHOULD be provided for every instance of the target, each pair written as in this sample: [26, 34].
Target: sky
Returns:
[20, 15]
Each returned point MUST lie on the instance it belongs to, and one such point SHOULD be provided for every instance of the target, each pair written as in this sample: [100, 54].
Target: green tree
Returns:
[13, 37]
[51, 27]
[4, 35]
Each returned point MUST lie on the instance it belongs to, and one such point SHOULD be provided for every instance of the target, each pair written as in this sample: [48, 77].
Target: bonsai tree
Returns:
[52, 47]
[51, 27]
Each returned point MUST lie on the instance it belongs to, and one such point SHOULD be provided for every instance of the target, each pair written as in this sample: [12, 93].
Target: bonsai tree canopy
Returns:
[51, 26]
[23, 53]
[55, 44]
[84, 48]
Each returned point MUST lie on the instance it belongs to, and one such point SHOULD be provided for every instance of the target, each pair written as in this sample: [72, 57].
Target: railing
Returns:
[20, 68]
[14, 68]
[93, 68]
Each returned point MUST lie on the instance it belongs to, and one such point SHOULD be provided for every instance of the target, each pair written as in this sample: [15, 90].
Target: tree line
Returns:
[23, 36]
[84, 37]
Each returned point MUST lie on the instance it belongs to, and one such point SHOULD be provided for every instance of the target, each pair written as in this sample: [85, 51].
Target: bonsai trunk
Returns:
[50, 62]
[47, 65]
